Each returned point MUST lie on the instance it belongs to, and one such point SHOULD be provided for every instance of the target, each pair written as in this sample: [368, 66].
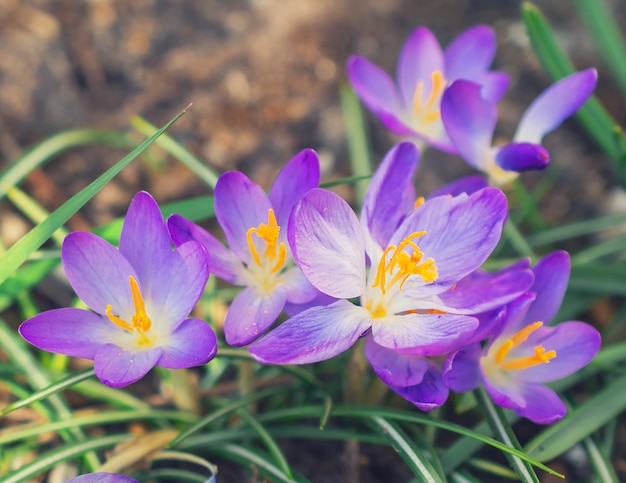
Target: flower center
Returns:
[275, 253]
[140, 322]
[427, 111]
[518, 363]
[402, 264]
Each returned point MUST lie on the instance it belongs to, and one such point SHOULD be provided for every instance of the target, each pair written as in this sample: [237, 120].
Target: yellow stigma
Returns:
[402, 264]
[140, 322]
[269, 234]
[518, 363]
[428, 110]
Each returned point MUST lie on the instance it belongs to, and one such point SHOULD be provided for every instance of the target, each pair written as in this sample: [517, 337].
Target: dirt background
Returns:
[263, 76]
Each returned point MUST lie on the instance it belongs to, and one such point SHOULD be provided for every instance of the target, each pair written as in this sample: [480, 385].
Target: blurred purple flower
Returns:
[523, 353]
[102, 478]
[140, 296]
[259, 257]
[470, 118]
[411, 108]
[409, 300]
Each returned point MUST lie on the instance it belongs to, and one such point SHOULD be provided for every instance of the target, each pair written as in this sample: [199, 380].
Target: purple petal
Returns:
[321, 299]
[470, 54]
[543, 406]
[193, 343]
[423, 334]
[382, 213]
[484, 291]
[98, 273]
[575, 343]
[429, 394]
[298, 176]
[467, 185]
[469, 121]
[551, 278]
[421, 55]
[145, 241]
[521, 157]
[240, 205]
[297, 287]
[461, 370]
[327, 242]
[554, 105]
[393, 368]
[494, 85]
[73, 332]
[250, 314]
[461, 233]
[378, 92]
[224, 263]
[102, 478]
[178, 286]
[117, 367]
[314, 335]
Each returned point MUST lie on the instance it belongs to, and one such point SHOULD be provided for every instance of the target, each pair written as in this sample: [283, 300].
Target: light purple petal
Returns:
[117, 367]
[98, 273]
[551, 278]
[192, 344]
[469, 121]
[521, 157]
[326, 239]
[461, 233]
[145, 241]
[378, 92]
[494, 85]
[73, 332]
[461, 370]
[554, 105]
[314, 335]
[543, 406]
[484, 291]
[297, 287]
[421, 55]
[471, 53]
[390, 195]
[298, 176]
[240, 205]
[102, 478]
[467, 185]
[224, 263]
[575, 343]
[429, 394]
[423, 334]
[250, 314]
[393, 368]
[321, 299]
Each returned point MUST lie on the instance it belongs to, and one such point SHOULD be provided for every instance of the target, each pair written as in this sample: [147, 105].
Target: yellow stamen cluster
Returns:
[269, 233]
[404, 264]
[139, 322]
[428, 111]
[518, 363]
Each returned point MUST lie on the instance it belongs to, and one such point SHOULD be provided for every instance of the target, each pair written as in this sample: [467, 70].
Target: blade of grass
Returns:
[18, 253]
[33, 211]
[247, 458]
[602, 465]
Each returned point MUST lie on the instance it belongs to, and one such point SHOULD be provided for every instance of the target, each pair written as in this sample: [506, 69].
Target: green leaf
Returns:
[247, 457]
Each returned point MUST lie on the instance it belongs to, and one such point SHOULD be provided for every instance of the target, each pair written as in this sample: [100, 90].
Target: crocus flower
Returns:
[259, 257]
[523, 352]
[407, 300]
[470, 118]
[411, 108]
[139, 296]
[102, 478]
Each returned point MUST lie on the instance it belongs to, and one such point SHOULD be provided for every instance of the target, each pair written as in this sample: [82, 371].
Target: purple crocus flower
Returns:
[409, 300]
[470, 118]
[411, 108]
[139, 296]
[102, 478]
[523, 353]
[259, 258]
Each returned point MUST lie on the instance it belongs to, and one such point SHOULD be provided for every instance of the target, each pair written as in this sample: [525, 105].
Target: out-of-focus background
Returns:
[263, 76]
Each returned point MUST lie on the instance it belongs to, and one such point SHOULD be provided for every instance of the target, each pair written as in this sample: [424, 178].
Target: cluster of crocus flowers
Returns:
[447, 99]
[139, 298]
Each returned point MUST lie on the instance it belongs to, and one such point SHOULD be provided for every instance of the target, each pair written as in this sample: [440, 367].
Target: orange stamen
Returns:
[518, 363]
[140, 322]
[269, 233]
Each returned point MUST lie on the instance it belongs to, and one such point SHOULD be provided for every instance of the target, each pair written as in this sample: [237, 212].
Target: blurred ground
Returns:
[263, 76]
